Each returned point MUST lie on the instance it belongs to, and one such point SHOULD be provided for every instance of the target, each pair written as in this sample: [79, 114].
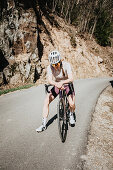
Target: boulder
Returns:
[27, 70]
[16, 79]
[100, 60]
[8, 73]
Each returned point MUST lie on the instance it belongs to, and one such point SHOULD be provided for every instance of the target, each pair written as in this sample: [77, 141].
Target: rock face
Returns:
[18, 44]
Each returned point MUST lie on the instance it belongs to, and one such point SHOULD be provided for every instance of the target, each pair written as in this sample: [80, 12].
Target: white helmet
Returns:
[54, 57]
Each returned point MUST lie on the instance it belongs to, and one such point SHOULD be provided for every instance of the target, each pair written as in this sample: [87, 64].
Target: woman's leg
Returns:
[49, 98]
[71, 100]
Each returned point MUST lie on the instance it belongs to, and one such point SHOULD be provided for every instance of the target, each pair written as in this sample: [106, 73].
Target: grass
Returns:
[15, 89]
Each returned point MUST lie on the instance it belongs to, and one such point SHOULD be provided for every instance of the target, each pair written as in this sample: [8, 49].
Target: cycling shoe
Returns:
[41, 128]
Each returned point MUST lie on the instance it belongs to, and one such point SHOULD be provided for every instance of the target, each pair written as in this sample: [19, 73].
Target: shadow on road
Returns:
[51, 120]
[111, 83]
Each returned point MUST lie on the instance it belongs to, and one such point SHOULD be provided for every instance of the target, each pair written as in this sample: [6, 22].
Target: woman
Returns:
[58, 73]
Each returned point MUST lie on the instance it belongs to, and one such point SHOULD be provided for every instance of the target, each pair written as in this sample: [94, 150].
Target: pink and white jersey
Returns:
[58, 75]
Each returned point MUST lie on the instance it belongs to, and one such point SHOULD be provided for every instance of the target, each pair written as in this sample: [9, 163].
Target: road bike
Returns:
[63, 112]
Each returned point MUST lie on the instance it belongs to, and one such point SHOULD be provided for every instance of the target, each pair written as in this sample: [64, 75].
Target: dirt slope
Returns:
[27, 60]
[86, 56]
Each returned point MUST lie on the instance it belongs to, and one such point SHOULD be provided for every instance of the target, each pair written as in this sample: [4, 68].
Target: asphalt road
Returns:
[22, 148]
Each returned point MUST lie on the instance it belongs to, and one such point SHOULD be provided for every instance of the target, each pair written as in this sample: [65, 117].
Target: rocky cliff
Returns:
[28, 35]
[19, 59]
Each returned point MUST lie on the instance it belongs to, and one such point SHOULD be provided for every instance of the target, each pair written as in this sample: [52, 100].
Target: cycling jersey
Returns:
[60, 74]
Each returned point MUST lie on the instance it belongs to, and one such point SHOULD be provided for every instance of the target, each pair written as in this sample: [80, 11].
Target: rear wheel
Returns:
[62, 122]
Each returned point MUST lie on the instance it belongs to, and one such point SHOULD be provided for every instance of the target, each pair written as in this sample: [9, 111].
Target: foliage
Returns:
[103, 29]
[94, 17]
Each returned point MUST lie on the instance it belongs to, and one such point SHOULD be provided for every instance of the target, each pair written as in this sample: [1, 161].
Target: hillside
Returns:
[87, 57]
[27, 37]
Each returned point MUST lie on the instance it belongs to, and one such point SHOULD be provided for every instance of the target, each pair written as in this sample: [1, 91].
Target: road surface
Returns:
[22, 148]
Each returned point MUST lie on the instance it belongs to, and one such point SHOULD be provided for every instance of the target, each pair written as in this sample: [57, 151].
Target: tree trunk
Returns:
[93, 29]
[67, 11]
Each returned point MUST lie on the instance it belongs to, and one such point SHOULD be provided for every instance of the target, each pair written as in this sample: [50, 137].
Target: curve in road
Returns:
[21, 148]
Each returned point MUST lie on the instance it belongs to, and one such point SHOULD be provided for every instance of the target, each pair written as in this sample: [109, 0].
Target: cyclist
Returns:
[58, 73]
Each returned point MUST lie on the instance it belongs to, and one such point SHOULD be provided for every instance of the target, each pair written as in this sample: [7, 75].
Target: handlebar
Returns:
[49, 85]
[46, 88]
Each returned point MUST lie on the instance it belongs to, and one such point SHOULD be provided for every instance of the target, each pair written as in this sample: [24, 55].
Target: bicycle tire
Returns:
[62, 122]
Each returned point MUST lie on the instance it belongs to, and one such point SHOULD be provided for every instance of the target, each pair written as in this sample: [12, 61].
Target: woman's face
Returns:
[57, 65]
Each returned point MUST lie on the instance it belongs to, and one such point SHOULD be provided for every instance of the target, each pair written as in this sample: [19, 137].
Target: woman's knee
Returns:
[72, 104]
[49, 98]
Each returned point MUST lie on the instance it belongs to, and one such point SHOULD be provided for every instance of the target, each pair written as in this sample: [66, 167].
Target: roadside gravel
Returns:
[100, 146]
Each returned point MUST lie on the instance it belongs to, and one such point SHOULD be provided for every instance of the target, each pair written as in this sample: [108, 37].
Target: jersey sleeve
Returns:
[68, 68]
[49, 72]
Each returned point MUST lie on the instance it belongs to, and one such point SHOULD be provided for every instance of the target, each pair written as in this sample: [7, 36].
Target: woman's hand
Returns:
[59, 85]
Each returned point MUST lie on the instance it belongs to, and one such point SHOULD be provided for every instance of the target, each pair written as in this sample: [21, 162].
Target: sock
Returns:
[44, 120]
[71, 113]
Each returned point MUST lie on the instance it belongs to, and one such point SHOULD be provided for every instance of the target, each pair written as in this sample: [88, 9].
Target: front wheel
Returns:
[62, 121]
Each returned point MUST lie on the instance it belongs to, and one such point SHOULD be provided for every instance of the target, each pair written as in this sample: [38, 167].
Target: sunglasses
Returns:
[56, 65]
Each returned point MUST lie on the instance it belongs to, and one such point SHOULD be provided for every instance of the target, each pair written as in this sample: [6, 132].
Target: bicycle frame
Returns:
[62, 113]
[63, 95]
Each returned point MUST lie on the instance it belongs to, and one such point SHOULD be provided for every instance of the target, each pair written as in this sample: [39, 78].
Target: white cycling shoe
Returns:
[71, 119]
[41, 128]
